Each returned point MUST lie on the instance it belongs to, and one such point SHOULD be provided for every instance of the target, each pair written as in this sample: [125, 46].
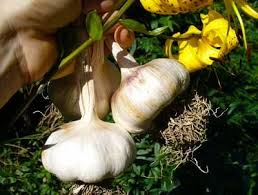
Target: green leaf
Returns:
[133, 25]
[167, 184]
[139, 27]
[156, 150]
[137, 169]
[144, 152]
[94, 25]
[158, 31]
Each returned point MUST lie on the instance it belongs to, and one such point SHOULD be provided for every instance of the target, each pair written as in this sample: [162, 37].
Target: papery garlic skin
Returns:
[107, 79]
[88, 152]
[145, 90]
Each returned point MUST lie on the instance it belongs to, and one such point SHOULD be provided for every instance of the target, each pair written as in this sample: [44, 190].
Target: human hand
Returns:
[27, 37]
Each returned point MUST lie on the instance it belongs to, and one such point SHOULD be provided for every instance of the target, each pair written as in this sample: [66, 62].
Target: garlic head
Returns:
[145, 90]
[88, 152]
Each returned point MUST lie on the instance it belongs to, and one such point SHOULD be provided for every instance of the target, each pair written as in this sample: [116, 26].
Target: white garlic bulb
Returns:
[88, 149]
[64, 92]
[89, 152]
[145, 90]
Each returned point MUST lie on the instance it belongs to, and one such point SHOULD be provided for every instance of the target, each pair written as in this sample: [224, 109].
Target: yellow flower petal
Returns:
[187, 43]
[212, 15]
[206, 52]
[166, 7]
[188, 55]
[247, 8]
[192, 31]
[198, 49]
[218, 33]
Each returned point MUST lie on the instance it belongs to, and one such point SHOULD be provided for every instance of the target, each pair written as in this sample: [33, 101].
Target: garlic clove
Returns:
[145, 90]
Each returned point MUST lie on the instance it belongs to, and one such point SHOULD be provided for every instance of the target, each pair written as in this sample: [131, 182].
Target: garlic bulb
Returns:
[64, 92]
[144, 90]
[88, 149]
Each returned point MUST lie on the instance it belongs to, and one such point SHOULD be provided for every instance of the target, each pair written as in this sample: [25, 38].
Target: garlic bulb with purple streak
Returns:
[144, 90]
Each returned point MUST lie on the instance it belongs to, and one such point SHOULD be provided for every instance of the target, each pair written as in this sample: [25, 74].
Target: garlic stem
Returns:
[84, 72]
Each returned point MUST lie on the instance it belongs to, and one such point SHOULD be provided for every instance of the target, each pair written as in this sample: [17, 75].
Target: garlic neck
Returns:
[124, 59]
[85, 79]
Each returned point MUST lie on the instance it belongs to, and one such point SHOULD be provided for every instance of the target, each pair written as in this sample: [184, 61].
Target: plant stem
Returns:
[115, 19]
[75, 53]
[118, 4]
[106, 27]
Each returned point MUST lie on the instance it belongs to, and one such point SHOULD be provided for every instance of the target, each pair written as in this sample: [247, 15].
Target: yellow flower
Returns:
[232, 6]
[197, 49]
[174, 6]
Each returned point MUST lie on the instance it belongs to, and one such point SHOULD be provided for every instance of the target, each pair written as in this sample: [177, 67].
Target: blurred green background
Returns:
[231, 152]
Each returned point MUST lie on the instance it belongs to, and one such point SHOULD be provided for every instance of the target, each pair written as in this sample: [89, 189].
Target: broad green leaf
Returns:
[133, 25]
[139, 27]
[94, 25]
[143, 152]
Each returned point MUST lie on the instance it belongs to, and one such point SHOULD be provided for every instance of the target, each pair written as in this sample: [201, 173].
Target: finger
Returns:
[45, 15]
[101, 6]
[124, 37]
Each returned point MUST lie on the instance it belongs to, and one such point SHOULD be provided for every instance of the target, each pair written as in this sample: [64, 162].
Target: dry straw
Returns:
[187, 131]
[104, 188]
